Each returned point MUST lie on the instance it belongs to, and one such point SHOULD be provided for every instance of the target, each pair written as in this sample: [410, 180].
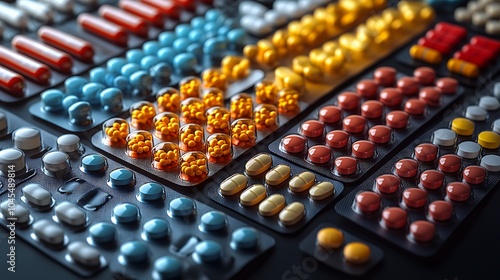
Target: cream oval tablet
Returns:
[272, 205]
[253, 195]
[292, 214]
[302, 182]
[321, 191]
[277, 175]
[233, 184]
[258, 164]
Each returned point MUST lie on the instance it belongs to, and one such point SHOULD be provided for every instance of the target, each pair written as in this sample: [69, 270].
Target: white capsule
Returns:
[293, 10]
[307, 5]
[462, 14]
[38, 10]
[493, 27]
[274, 18]
[255, 25]
[479, 18]
[13, 16]
[64, 6]
[251, 8]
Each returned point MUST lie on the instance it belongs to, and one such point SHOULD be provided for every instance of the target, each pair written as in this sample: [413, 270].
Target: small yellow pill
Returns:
[488, 140]
[330, 238]
[292, 214]
[272, 205]
[463, 68]
[233, 184]
[357, 253]
[253, 195]
[258, 164]
[302, 182]
[462, 126]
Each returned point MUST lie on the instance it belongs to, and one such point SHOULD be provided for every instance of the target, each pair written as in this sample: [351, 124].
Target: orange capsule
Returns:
[25, 66]
[103, 28]
[11, 82]
[43, 53]
[126, 20]
[75, 46]
[144, 11]
[166, 7]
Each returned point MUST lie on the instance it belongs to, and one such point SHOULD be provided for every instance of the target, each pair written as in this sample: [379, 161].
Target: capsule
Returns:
[167, 8]
[68, 43]
[25, 66]
[428, 55]
[126, 20]
[144, 11]
[43, 53]
[451, 30]
[485, 43]
[64, 6]
[442, 37]
[103, 28]
[473, 58]
[11, 82]
[463, 68]
[443, 48]
[13, 16]
[37, 10]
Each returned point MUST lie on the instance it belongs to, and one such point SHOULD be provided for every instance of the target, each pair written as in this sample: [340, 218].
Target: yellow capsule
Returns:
[303, 66]
[463, 68]
[320, 14]
[279, 38]
[264, 44]
[393, 18]
[294, 27]
[295, 43]
[286, 78]
[250, 51]
[428, 55]
[317, 57]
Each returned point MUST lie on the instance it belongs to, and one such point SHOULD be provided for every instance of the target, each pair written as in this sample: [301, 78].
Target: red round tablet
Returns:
[312, 128]
[406, 168]
[391, 97]
[354, 124]
[431, 95]
[431, 179]
[372, 109]
[367, 201]
[380, 134]
[346, 165]
[422, 231]
[449, 163]
[426, 152]
[367, 88]
[397, 119]
[337, 139]
[458, 191]
[387, 183]
[319, 154]
[425, 75]
[394, 217]
[415, 106]
[330, 114]
[408, 85]
[363, 149]
[414, 197]
[385, 76]
[293, 144]
[440, 210]
[348, 100]
[474, 174]
[447, 85]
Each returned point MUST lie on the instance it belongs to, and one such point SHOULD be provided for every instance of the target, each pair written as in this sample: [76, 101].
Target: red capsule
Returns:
[126, 20]
[43, 53]
[68, 43]
[25, 66]
[103, 28]
[485, 43]
[444, 37]
[481, 51]
[451, 30]
[11, 82]
[472, 58]
[166, 7]
[144, 11]
[443, 48]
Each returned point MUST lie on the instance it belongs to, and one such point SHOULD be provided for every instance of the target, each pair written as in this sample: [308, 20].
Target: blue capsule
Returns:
[97, 75]
[91, 92]
[151, 47]
[141, 83]
[114, 65]
[149, 61]
[69, 100]
[156, 229]
[166, 38]
[80, 113]
[167, 54]
[112, 100]
[109, 78]
[185, 63]
[167, 268]
[182, 30]
[197, 35]
[102, 232]
[134, 55]
[161, 73]
[215, 46]
[130, 68]
[237, 36]
[223, 30]
[122, 83]
[212, 26]
[181, 44]
[52, 100]
[73, 85]
[196, 49]
[198, 22]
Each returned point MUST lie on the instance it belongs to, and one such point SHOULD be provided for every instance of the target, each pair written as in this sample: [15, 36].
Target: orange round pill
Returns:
[372, 109]
[457, 191]
[449, 163]
[293, 144]
[312, 128]
[387, 183]
[367, 201]
[348, 100]
[447, 85]
[363, 149]
[440, 210]
[431, 179]
[394, 217]
[426, 152]
[474, 174]
[353, 124]
[408, 85]
[319, 154]
[425, 75]
[406, 168]
[414, 197]
[337, 139]
[346, 165]
[397, 119]
[330, 114]
[422, 231]
[367, 88]
[385, 76]
[415, 106]
[380, 134]
[391, 97]
[431, 95]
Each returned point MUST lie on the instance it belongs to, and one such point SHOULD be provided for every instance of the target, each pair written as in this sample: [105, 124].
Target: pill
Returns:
[346, 165]
[258, 164]
[20, 213]
[431, 95]
[474, 174]
[277, 175]
[244, 238]
[40, 11]
[474, 55]
[408, 85]
[406, 168]
[468, 150]
[458, 192]
[102, 233]
[182, 207]
[319, 154]
[292, 214]
[367, 202]
[213, 221]
[149, 192]
[103, 28]
[36, 195]
[302, 182]
[26, 138]
[397, 119]
[415, 106]
[489, 103]
[447, 85]
[425, 54]
[431, 179]
[337, 139]
[124, 19]
[312, 128]
[491, 163]
[348, 100]
[380, 134]
[233, 184]
[272, 205]
[83, 254]
[25, 66]
[496, 126]
[134, 252]
[49, 232]
[426, 152]
[330, 114]
[391, 97]
[422, 231]
[357, 253]
[387, 183]
[385, 76]
[414, 197]
[64, 6]
[207, 252]
[321, 191]
[93, 163]
[462, 14]
[70, 214]
[354, 124]
[425, 75]
[462, 126]
[367, 88]
[479, 18]
[293, 144]
[444, 137]
[13, 16]
[9, 157]
[485, 42]
[167, 267]
[363, 149]
[11, 82]
[372, 109]
[463, 68]
[488, 140]
[450, 163]
[253, 195]
[451, 29]
[147, 12]
[330, 238]
[167, 8]
[444, 38]
[438, 45]
[394, 217]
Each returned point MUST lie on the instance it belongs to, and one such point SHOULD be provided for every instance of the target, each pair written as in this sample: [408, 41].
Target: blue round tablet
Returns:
[121, 177]
[134, 251]
[151, 47]
[126, 213]
[207, 251]
[156, 229]
[168, 267]
[181, 207]
[150, 192]
[244, 238]
[52, 100]
[93, 163]
[213, 221]
[102, 232]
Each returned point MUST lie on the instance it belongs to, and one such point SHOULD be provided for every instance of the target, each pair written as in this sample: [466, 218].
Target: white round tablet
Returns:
[68, 143]
[3, 121]
[55, 162]
[444, 137]
[475, 113]
[27, 138]
[11, 159]
[462, 14]
[491, 163]
[468, 149]
[489, 103]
